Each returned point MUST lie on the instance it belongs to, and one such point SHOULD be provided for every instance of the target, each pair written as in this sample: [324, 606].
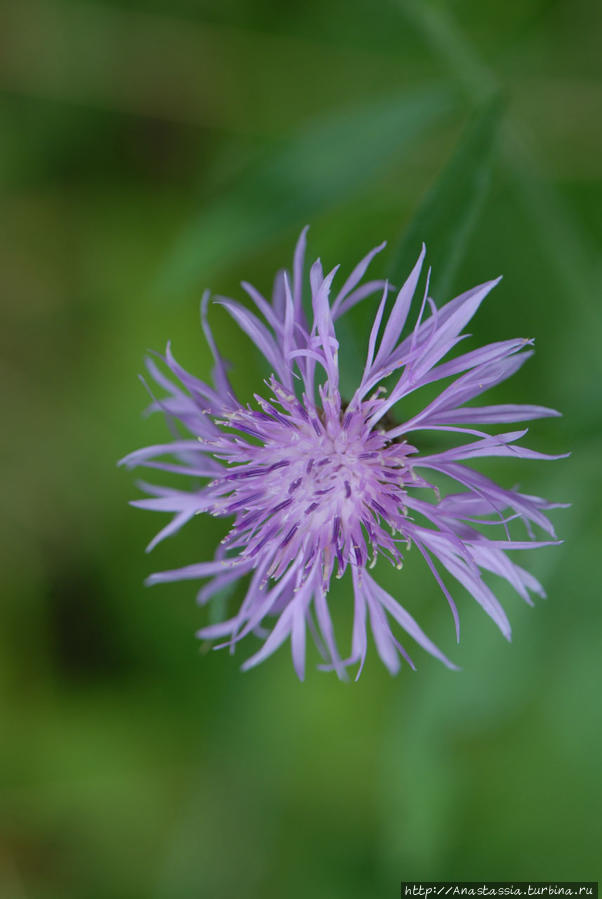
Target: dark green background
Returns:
[149, 150]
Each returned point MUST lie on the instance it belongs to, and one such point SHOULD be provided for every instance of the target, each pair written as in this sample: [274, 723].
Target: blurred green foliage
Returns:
[151, 149]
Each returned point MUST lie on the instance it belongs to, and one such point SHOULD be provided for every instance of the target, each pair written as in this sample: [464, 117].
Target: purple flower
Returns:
[318, 485]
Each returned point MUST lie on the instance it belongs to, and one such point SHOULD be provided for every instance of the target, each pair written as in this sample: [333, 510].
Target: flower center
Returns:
[313, 486]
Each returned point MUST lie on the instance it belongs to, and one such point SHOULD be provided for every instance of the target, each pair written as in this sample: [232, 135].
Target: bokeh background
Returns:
[151, 149]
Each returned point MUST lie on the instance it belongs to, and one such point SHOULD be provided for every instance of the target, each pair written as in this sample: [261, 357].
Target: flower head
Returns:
[317, 484]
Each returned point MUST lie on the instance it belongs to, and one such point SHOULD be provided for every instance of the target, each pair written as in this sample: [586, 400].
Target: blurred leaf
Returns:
[313, 170]
[438, 28]
[568, 250]
[450, 210]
